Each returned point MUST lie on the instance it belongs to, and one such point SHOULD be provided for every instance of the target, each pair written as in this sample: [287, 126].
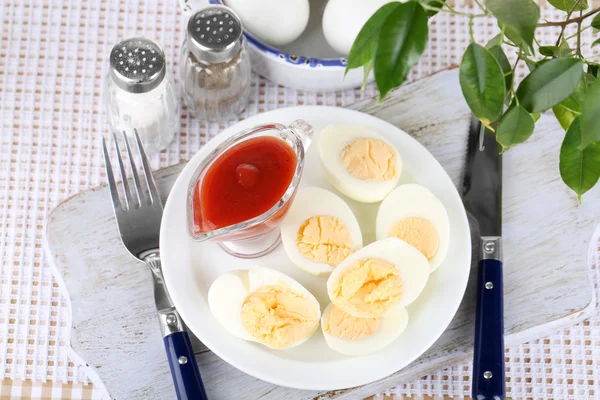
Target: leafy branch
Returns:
[394, 38]
[566, 22]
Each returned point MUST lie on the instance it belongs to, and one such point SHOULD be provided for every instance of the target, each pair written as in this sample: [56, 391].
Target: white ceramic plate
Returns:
[190, 268]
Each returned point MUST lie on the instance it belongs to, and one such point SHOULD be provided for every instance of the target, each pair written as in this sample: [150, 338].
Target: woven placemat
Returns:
[53, 58]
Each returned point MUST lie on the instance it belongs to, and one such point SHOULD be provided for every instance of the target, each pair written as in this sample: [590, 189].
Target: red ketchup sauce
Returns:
[244, 182]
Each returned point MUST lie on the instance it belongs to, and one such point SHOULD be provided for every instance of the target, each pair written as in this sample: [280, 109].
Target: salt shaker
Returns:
[139, 93]
[215, 65]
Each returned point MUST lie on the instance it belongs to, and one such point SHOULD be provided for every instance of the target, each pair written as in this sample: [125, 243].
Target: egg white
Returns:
[275, 22]
[413, 200]
[393, 323]
[331, 142]
[225, 299]
[410, 263]
[343, 20]
[227, 294]
[309, 202]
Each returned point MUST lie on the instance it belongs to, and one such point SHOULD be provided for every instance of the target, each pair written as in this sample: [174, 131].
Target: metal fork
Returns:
[138, 213]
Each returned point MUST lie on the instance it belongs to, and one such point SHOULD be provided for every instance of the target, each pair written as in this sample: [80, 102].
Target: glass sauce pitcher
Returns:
[259, 235]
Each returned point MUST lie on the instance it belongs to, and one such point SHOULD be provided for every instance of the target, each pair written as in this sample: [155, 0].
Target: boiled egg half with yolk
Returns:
[265, 306]
[358, 162]
[319, 231]
[379, 277]
[414, 214]
[354, 336]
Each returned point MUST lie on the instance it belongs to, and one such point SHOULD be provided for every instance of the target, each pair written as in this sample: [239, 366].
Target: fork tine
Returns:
[123, 173]
[112, 185]
[152, 190]
[136, 178]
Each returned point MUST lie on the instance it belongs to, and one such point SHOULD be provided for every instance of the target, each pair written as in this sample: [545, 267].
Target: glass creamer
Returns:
[240, 192]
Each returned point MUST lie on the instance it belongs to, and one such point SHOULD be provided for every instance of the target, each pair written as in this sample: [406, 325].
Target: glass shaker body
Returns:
[139, 93]
[154, 114]
[215, 91]
[215, 65]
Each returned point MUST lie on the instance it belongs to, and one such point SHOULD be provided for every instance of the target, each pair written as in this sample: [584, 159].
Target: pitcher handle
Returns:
[304, 131]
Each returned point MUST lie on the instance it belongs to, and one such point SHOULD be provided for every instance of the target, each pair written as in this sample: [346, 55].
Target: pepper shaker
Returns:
[139, 93]
[215, 65]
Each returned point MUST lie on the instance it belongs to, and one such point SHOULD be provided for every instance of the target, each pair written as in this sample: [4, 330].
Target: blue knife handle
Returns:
[184, 369]
[488, 360]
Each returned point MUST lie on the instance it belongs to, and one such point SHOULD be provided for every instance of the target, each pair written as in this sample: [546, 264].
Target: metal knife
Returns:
[482, 196]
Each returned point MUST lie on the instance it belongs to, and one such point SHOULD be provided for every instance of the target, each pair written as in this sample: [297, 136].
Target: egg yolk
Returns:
[279, 317]
[368, 288]
[342, 325]
[419, 233]
[324, 239]
[369, 159]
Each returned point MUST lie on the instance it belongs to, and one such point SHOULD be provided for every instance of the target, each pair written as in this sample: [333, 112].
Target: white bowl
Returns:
[308, 63]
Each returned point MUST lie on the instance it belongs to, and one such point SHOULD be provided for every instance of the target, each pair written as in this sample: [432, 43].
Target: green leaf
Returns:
[536, 116]
[564, 116]
[596, 42]
[575, 101]
[499, 55]
[590, 116]
[520, 16]
[402, 40]
[433, 3]
[514, 37]
[495, 41]
[516, 126]
[363, 48]
[570, 108]
[564, 50]
[367, 68]
[596, 22]
[531, 65]
[549, 84]
[579, 168]
[547, 51]
[556, 51]
[593, 68]
[482, 83]
[567, 5]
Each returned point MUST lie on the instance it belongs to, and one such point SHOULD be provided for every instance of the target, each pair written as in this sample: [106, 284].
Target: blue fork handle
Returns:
[184, 369]
[488, 360]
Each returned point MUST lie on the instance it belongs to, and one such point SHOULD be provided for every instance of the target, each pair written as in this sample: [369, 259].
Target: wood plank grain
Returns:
[546, 235]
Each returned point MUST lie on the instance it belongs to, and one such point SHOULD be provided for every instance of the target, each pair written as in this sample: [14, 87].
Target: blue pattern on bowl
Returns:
[288, 57]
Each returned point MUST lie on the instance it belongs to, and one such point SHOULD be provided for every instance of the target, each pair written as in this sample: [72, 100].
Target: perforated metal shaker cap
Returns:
[214, 34]
[137, 64]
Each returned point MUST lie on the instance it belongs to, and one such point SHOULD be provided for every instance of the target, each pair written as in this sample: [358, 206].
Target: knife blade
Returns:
[482, 196]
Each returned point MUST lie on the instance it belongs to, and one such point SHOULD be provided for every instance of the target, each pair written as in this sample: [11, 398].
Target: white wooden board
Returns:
[546, 240]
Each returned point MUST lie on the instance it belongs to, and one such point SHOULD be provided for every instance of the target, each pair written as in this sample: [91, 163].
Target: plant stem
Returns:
[562, 29]
[569, 20]
[480, 5]
[512, 80]
[579, 36]
[450, 10]
[575, 34]
[471, 29]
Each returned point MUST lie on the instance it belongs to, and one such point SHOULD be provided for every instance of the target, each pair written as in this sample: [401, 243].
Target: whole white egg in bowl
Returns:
[301, 44]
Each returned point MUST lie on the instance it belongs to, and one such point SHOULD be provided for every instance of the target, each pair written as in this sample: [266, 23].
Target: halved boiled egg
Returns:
[358, 162]
[319, 231]
[359, 336]
[265, 306]
[379, 277]
[414, 214]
